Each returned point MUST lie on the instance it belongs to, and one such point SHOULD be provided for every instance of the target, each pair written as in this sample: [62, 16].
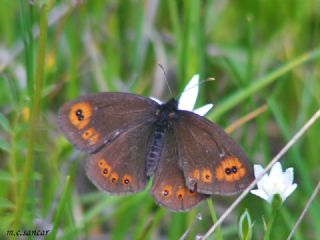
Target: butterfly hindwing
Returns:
[119, 168]
[168, 188]
[211, 160]
[92, 121]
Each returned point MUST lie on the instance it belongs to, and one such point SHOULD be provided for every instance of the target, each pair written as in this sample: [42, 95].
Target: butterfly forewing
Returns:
[168, 188]
[211, 160]
[92, 121]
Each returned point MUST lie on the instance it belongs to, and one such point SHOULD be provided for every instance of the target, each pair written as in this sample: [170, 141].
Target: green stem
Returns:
[13, 160]
[270, 223]
[218, 232]
[34, 118]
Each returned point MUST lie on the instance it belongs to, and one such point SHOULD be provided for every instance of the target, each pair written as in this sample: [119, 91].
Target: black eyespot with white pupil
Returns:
[79, 115]
[233, 170]
[228, 171]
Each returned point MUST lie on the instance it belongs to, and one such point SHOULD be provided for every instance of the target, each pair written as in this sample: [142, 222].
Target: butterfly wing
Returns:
[168, 187]
[211, 160]
[92, 121]
[119, 167]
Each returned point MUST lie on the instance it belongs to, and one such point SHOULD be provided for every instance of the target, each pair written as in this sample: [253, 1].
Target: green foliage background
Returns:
[259, 52]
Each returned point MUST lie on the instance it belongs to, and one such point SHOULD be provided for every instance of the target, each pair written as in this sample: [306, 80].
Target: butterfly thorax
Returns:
[165, 114]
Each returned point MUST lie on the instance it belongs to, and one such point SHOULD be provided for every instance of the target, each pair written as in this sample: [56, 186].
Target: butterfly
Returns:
[131, 138]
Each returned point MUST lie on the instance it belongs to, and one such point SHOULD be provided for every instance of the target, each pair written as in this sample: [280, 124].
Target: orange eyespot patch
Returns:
[167, 191]
[230, 170]
[104, 167]
[102, 163]
[80, 114]
[206, 175]
[91, 135]
[114, 177]
[127, 179]
[180, 193]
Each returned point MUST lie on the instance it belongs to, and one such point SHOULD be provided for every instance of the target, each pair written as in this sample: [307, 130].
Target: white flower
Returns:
[277, 182]
[189, 97]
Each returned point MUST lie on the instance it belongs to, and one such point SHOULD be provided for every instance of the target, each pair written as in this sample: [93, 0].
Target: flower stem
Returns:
[214, 219]
[270, 223]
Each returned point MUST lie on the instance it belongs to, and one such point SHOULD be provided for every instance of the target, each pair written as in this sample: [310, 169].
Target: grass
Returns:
[259, 52]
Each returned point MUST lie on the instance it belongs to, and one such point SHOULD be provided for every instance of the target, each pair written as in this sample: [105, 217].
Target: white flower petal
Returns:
[270, 187]
[289, 190]
[258, 169]
[156, 99]
[203, 110]
[264, 184]
[276, 171]
[189, 96]
[261, 194]
[288, 176]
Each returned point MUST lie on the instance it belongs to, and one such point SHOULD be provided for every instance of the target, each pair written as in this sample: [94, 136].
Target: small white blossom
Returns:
[277, 182]
[189, 97]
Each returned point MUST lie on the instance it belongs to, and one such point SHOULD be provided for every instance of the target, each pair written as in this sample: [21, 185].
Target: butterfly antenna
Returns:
[200, 83]
[165, 78]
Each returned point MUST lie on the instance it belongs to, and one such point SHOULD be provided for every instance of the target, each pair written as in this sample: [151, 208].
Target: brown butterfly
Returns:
[131, 138]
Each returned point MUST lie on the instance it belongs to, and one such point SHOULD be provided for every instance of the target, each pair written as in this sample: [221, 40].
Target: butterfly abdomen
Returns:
[154, 152]
[165, 114]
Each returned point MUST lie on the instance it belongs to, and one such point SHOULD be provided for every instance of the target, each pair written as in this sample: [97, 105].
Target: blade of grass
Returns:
[143, 223]
[60, 209]
[159, 214]
[250, 49]
[194, 219]
[25, 22]
[248, 117]
[35, 113]
[214, 219]
[90, 215]
[177, 225]
[194, 45]
[286, 214]
[258, 84]
[174, 17]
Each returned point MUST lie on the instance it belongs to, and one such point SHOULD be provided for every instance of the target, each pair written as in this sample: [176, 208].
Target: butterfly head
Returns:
[167, 111]
[171, 105]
